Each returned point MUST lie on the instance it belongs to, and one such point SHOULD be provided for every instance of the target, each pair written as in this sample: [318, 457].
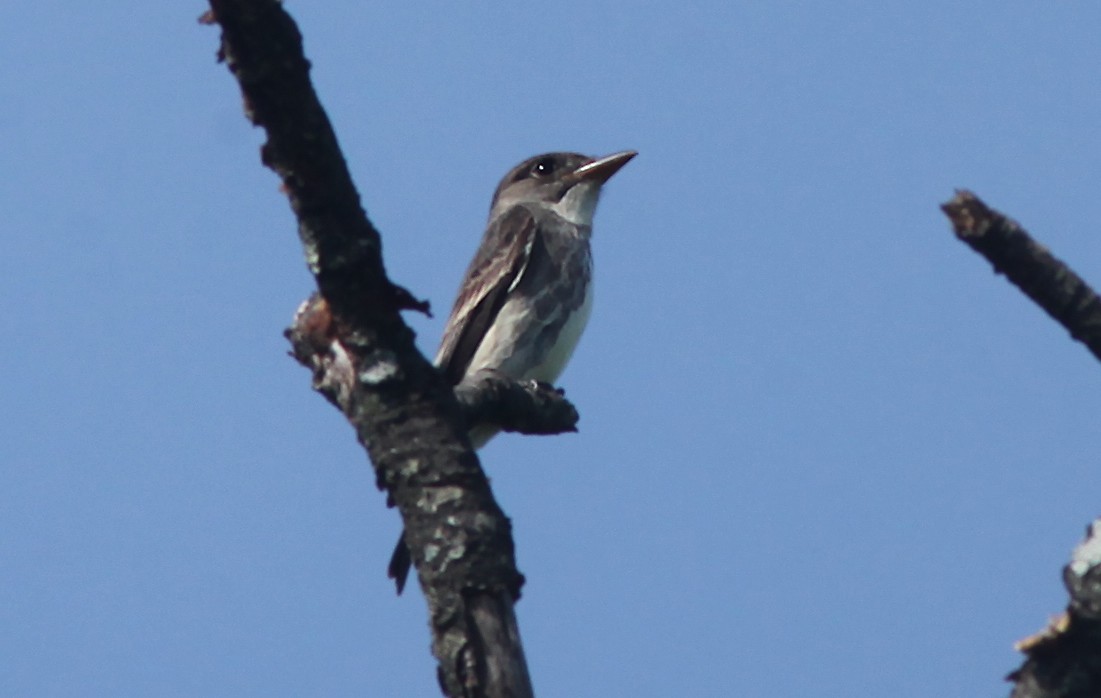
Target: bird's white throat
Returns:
[579, 203]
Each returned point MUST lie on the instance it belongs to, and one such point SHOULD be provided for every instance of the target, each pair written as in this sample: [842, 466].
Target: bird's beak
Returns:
[602, 169]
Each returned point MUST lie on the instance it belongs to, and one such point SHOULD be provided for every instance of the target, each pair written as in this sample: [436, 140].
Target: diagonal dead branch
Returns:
[1064, 659]
[1049, 282]
[399, 405]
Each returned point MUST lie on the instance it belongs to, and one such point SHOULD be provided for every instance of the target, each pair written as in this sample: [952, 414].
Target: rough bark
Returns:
[1030, 266]
[527, 407]
[1064, 659]
[403, 412]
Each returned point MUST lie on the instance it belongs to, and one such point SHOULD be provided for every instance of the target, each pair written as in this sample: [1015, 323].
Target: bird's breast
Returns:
[562, 348]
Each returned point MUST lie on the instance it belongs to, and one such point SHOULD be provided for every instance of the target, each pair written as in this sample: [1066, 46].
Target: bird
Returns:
[527, 294]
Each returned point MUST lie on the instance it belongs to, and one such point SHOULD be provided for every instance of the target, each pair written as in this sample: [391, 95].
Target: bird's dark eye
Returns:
[543, 168]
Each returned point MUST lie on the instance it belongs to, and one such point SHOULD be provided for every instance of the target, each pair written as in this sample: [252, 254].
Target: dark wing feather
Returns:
[497, 266]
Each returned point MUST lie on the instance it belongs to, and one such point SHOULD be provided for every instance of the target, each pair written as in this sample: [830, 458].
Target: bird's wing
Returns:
[495, 270]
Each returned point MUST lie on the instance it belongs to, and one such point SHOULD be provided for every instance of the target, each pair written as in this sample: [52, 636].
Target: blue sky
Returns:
[823, 450]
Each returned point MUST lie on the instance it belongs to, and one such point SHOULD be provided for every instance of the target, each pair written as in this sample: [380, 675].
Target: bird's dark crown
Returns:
[547, 167]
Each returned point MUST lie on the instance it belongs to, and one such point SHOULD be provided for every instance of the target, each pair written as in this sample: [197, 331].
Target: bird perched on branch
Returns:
[526, 296]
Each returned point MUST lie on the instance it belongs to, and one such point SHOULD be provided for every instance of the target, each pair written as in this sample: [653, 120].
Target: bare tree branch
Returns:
[1030, 266]
[489, 398]
[399, 405]
[1064, 659]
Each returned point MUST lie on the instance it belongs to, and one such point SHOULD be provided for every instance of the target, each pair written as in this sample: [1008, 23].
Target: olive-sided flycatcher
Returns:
[526, 296]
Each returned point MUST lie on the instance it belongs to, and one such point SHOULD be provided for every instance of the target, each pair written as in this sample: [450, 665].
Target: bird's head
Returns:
[567, 183]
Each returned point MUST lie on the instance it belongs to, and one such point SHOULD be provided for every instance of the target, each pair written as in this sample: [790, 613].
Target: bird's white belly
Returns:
[570, 335]
[499, 349]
